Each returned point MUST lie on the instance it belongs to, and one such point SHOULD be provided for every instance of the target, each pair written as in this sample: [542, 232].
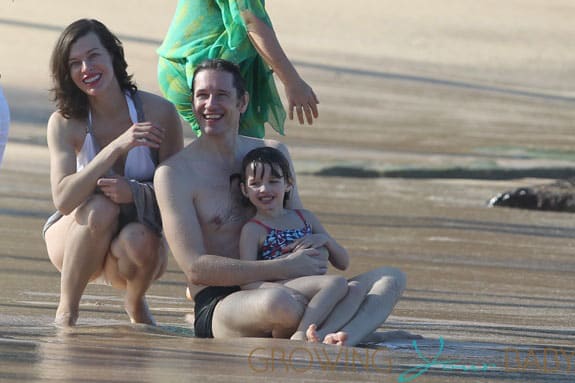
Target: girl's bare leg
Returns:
[340, 315]
[385, 286]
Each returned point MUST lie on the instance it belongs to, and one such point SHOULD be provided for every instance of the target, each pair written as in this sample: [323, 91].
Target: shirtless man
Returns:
[200, 202]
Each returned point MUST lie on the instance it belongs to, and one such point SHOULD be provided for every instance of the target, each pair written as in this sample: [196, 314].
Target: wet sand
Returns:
[426, 112]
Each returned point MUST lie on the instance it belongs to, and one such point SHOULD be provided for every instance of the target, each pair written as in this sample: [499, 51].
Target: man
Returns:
[200, 201]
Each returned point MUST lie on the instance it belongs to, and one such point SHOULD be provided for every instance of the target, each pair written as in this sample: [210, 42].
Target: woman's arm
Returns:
[71, 188]
[299, 94]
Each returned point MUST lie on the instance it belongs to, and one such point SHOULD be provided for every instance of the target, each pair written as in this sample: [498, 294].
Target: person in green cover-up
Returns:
[239, 31]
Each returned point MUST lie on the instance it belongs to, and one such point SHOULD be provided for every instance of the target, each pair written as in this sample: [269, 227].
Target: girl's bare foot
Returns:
[338, 338]
[311, 334]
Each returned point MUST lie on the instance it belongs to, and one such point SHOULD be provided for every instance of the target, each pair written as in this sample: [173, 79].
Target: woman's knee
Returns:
[99, 214]
[139, 243]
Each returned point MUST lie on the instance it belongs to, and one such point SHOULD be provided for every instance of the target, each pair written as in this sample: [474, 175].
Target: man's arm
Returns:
[184, 235]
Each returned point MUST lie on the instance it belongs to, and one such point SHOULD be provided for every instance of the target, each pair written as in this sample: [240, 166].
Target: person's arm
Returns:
[184, 235]
[162, 113]
[249, 247]
[300, 95]
[71, 188]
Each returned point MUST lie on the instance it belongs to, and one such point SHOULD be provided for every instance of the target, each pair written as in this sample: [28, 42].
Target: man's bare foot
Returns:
[139, 312]
[188, 295]
[311, 334]
[65, 318]
[338, 338]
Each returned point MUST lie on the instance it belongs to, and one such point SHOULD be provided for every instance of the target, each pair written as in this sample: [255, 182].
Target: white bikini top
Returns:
[139, 164]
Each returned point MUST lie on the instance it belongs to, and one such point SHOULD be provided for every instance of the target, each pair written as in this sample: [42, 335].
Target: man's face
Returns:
[216, 105]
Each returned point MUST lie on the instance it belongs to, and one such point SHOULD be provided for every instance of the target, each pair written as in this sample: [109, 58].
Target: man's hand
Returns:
[312, 241]
[306, 262]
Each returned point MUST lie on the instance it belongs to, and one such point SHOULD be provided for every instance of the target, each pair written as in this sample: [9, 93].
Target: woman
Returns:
[239, 31]
[105, 139]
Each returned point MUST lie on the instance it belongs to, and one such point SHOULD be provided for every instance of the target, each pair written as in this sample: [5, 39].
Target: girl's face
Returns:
[90, 65]
[265, 190]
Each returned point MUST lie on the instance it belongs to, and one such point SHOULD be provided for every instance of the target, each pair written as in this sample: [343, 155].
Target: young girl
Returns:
[275, 231]
[105, 140]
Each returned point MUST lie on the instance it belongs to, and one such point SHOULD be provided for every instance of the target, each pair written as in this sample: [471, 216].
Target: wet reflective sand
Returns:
[399, 168]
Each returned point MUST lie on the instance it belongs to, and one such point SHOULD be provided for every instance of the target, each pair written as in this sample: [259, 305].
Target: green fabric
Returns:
[209, 29]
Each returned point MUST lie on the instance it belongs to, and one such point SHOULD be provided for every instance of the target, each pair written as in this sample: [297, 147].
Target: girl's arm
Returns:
[249, 247]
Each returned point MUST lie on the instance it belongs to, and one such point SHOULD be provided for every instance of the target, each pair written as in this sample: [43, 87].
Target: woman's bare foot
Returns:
[65, 318]
[139, 312]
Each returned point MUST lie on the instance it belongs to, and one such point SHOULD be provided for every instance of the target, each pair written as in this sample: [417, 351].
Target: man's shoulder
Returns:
[250, 143]
[180, 165]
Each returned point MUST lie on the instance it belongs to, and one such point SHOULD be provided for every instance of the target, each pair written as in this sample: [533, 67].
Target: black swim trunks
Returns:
[205, 304]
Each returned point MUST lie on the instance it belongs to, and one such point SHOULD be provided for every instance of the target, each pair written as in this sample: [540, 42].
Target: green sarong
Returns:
[209, 29]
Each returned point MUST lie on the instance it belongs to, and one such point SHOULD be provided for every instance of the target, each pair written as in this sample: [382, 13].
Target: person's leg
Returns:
[77, 245]
[384, 287]
[257, 313]
[324, 292]
[137, 258]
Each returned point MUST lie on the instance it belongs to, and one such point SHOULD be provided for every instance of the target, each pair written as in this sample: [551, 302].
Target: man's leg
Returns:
[257, 313]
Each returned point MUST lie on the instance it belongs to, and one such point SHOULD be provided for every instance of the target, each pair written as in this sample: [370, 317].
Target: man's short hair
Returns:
[222, 66]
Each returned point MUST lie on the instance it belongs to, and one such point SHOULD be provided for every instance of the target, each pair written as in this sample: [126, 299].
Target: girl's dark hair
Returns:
[70, 100]
[222, 66]
[273, 157]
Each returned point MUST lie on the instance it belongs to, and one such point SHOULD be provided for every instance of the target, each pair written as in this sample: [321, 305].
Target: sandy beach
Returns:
[428, 109]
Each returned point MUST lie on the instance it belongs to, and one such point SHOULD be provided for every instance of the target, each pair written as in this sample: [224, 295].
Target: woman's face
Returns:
[90, 65]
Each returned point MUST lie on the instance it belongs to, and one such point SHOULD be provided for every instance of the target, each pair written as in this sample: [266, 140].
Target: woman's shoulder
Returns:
[57, 121]
[154, 103]
[66, 130]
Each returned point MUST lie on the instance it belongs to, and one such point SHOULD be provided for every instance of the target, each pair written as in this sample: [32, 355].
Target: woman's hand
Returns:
[301, 97]
[140, 134]
[117, 189]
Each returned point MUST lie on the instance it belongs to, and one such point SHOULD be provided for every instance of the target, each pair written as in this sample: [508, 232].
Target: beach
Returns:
[427, 110]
